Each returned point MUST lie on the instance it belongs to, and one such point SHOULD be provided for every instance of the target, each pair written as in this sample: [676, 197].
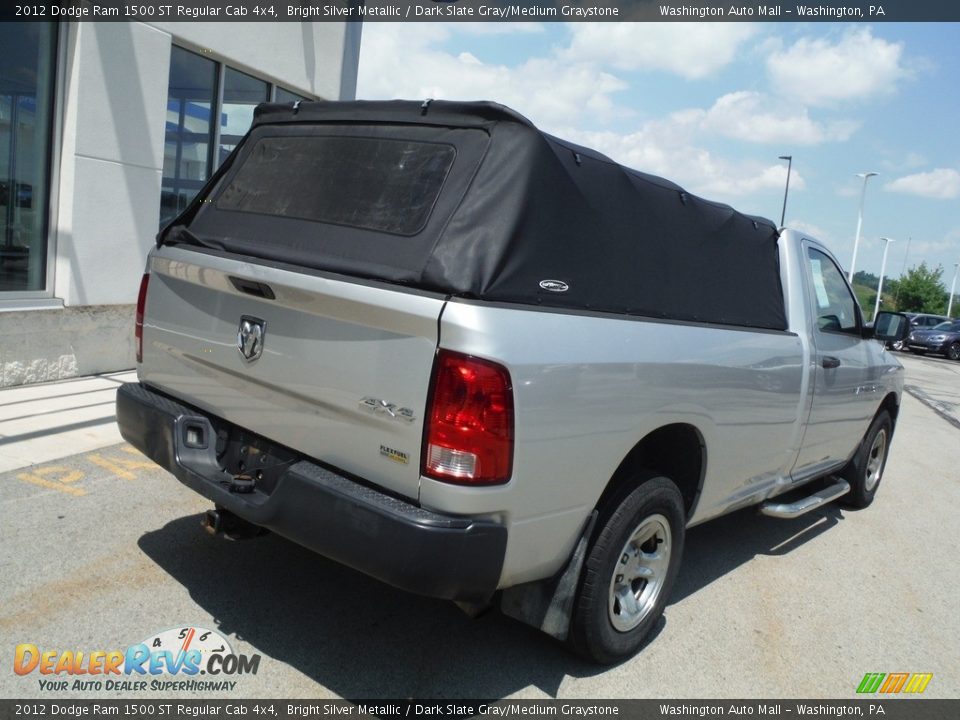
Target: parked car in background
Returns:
[920, 321]
[943, 339]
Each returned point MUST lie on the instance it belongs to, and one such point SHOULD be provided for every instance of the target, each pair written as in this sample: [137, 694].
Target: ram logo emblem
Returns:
[250, 337]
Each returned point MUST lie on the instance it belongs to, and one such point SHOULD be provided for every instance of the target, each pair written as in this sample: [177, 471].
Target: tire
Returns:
[953, 352]
[635, 554]
[897, 345]
[865, 470]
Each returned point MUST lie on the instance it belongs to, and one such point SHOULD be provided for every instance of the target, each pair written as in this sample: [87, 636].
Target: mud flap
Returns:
[548, 604]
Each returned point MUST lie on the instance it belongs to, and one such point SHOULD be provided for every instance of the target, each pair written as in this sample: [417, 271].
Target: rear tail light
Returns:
[138, 328]
[469, 430]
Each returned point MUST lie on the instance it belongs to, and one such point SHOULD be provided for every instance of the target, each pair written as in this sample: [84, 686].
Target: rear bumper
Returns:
[383, 536]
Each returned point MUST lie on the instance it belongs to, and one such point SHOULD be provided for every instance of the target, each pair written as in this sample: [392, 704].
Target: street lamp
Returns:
[866, 176]
[953, 286]
[883, 268]
[789, 159]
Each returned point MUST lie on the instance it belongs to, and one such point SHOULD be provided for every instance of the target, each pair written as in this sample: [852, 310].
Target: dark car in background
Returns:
[943, 339]
[920, 321]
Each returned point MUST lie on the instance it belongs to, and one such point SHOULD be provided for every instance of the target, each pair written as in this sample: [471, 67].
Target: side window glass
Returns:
[834, 304]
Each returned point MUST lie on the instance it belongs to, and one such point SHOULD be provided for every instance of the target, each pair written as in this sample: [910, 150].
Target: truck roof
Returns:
[472, 200]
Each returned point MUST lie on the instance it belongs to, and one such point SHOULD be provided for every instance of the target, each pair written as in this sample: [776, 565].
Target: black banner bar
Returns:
[899, 708]
[848, 11]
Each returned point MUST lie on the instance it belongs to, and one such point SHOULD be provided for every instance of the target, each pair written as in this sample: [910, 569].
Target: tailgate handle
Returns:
[252, 287]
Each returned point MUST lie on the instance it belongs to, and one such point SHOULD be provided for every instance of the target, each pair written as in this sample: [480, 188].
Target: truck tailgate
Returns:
[344, 369]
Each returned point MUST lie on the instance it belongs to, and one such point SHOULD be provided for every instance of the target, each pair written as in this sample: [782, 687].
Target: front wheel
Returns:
[865, 470]
[953, 352]
[629, 570]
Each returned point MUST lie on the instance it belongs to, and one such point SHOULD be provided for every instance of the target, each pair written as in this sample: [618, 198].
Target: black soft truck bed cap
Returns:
[472, 200]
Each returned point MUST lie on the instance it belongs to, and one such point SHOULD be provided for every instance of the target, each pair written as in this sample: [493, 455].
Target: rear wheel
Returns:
[629, 570]
[865, 471]
[953, 352]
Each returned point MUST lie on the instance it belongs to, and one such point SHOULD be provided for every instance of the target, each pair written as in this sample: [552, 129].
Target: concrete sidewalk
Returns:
[934, 381]
[48, 421]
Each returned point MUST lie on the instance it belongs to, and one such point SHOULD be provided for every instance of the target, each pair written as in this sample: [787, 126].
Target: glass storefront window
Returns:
[241, 94]
[27, 61]
[190, 130]
[284, 96]
[209, 109]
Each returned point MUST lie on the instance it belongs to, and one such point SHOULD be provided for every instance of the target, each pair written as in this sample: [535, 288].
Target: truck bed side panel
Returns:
[588, 388]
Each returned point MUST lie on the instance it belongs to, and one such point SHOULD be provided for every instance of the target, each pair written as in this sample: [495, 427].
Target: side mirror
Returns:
[890, 326]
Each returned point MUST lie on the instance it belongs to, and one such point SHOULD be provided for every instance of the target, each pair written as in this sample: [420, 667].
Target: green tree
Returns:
[920, 290]
[866, 279]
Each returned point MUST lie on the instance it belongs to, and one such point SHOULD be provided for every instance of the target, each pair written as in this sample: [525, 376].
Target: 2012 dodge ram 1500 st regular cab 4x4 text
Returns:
[475, 361]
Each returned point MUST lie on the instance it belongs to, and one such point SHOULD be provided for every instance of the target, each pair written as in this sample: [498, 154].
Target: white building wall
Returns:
[305, 57]
[108, 172]
[112, 160]
[114, 123]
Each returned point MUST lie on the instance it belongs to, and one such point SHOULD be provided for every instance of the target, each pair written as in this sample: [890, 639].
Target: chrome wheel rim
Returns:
[878, 452]
[640, 573]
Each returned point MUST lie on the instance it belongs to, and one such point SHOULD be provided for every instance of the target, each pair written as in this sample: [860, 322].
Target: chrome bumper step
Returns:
[805, 505]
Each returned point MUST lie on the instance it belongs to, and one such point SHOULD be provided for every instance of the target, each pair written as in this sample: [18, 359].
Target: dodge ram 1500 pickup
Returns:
[477, 362]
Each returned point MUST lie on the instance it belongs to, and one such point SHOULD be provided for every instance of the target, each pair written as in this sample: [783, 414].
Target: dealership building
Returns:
[107, 130]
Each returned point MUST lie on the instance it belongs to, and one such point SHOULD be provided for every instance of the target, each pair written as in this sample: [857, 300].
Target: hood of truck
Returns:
[335, 369]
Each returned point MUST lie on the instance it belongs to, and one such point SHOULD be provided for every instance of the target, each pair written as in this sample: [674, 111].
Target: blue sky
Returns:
[711, 106]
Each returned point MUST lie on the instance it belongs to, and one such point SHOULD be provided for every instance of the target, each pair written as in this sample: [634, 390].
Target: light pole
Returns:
[883, 268]
[953, 286]
[789, 159]
[856, 243]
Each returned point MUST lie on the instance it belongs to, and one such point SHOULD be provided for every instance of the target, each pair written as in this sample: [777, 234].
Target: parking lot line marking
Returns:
[39, 477]
[121, 467]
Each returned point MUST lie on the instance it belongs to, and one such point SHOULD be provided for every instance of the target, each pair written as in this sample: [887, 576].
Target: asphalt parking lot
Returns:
[101, 550]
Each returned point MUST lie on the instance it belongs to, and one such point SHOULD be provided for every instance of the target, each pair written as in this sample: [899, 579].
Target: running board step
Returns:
[805, 505]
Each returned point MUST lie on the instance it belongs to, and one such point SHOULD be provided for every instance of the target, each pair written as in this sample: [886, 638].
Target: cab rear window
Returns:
[376, 184]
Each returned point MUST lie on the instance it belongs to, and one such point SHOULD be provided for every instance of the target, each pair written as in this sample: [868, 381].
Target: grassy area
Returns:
[868, 296]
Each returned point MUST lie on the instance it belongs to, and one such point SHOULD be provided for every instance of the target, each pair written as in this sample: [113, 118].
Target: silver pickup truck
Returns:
[480, 363]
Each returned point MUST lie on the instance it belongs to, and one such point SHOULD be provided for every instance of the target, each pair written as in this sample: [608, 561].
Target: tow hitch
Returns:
[218, 521]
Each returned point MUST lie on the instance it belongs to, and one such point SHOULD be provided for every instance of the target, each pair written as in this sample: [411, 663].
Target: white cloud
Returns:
[691, 50]
[821, 72]
[669, 148]
[548, 90]
[499, 28]
[754, 117]
[814, 231]
[569, 92]
[939, 184]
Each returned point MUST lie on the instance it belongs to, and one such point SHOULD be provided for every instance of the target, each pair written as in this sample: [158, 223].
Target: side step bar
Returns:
[805, 505]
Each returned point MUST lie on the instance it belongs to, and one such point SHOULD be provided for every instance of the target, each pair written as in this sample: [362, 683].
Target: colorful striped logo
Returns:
[889, 683]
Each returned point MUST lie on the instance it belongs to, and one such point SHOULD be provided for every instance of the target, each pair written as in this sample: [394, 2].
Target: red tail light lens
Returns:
[138, 328]
[469, 432]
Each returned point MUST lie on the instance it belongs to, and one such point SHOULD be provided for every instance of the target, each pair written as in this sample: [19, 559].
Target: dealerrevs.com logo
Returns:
[168, 661]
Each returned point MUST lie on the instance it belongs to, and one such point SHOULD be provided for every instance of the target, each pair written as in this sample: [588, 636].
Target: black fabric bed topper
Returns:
[472, 200]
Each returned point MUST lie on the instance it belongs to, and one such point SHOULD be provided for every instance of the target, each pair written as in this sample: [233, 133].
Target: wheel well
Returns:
[891, 405]
[676, 451]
